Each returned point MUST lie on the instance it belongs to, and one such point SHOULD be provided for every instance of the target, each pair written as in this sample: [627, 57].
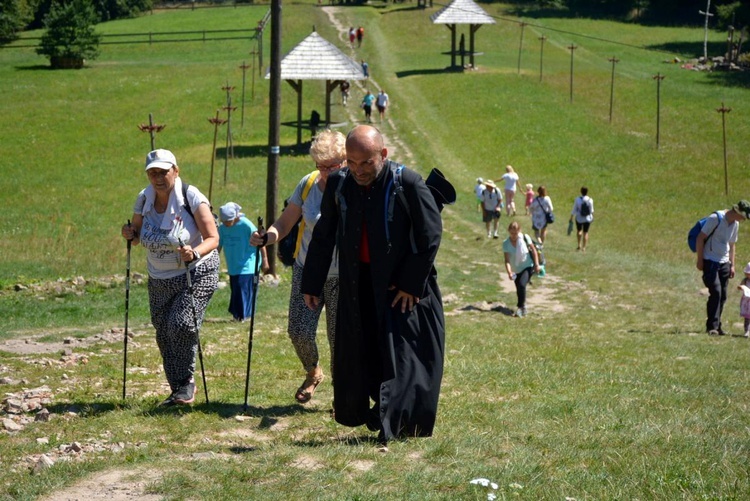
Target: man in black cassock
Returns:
[390, 335]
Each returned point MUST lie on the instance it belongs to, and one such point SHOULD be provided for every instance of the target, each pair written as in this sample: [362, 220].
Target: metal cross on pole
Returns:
[152, 129]
[658, 77]
[614, 61]
[216, 121]
[244, 68]
[723, 110]
[541, 57]
[520, 46]
[705, 30]
[572, 48]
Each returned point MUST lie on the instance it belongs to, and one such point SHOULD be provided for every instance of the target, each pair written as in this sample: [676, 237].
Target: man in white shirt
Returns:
[715, 258]
[382, 104]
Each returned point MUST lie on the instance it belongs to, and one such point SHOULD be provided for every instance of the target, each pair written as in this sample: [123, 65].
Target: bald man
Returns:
[390, 335]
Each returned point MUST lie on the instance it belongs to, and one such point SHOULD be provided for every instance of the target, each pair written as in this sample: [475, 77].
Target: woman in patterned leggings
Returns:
[328, 151]
[176, 227]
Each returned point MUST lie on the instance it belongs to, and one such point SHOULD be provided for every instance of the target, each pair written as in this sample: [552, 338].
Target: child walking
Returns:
[529, 197]
[745, 300]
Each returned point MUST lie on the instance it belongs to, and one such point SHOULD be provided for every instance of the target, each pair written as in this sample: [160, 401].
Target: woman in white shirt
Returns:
[540, 207]
[511, 185]
[173, 222]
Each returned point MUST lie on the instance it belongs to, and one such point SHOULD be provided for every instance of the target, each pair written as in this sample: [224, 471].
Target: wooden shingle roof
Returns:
[315, 58]
[462, 12]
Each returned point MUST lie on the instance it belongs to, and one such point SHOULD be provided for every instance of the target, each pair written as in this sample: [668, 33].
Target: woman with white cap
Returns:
[240, 256]
[173, 221]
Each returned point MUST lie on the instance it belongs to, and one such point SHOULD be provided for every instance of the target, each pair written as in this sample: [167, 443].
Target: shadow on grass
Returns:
[429, 71]
[268, 415]
[495, 309]
[34, 67]
[85, 409]
[347, 440]
[261, 150]
[690, 48]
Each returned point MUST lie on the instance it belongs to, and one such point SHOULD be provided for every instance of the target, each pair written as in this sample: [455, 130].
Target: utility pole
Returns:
[541, 57]
[244, 68]
[614, 61]
[520, 47]
[274, 122]
[723, 110]
[705, 29]
[658, 77]
[572, 48]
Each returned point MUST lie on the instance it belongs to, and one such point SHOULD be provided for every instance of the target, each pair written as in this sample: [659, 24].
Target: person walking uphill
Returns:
[583, 212]
[521, 261]
[234, 240]
[390, 337]
[328, 151]
[173, 222]
[715, 248]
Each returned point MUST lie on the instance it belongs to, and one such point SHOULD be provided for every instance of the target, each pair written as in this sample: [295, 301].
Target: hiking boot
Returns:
[185, 394]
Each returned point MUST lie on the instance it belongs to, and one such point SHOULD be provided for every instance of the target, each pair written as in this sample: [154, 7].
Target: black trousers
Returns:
[522, 279]
[716, 278]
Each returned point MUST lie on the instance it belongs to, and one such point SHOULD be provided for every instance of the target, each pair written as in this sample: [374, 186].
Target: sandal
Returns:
[306, 391]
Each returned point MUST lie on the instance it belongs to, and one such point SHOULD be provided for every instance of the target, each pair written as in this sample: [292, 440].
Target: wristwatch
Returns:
[196, 255]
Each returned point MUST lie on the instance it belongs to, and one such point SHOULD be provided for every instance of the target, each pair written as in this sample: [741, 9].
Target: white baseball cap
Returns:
[160, 159]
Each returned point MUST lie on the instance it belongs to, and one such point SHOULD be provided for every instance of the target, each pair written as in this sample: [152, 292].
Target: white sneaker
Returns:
[747, 334]
[489, 234]
[495, 235]
[520, 312]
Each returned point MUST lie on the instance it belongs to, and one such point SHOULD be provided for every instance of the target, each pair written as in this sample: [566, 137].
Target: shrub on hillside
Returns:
[69, 38]
[14, 16]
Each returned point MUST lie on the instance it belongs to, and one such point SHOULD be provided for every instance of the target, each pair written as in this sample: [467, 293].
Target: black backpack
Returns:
[585, 209]
[285, 247]
[187, 208]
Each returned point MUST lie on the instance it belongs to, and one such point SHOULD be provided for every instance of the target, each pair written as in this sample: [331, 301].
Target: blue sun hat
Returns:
[229, 212]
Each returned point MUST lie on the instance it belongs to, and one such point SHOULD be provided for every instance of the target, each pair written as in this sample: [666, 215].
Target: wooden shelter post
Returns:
[472, 29]
[452, 27]
[297, 86]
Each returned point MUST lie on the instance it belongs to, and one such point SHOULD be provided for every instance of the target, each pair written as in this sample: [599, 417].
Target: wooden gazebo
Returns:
[315, 58]
[462, 12]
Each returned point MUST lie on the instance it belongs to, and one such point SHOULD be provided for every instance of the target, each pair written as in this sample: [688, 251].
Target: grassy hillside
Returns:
[608, 390]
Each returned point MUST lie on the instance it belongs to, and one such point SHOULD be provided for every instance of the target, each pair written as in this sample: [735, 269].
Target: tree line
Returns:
[19, 15]
[665, 12]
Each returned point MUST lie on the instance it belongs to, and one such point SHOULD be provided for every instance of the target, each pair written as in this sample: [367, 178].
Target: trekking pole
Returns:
[252, 318]
[195, 323]
[127, 310]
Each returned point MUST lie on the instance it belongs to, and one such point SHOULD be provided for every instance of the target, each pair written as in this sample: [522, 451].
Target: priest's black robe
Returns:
[408, 350]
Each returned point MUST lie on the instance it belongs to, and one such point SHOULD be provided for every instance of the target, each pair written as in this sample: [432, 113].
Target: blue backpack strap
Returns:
[395, 189]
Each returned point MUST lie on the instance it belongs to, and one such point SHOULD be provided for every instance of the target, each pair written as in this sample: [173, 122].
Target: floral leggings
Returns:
[172, 316]
[303, 322]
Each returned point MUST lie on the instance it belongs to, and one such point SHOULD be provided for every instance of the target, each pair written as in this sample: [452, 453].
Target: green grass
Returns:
[618, 395]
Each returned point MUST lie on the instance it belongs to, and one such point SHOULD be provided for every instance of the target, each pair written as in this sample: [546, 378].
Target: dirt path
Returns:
[397, 149]
[112, 485]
